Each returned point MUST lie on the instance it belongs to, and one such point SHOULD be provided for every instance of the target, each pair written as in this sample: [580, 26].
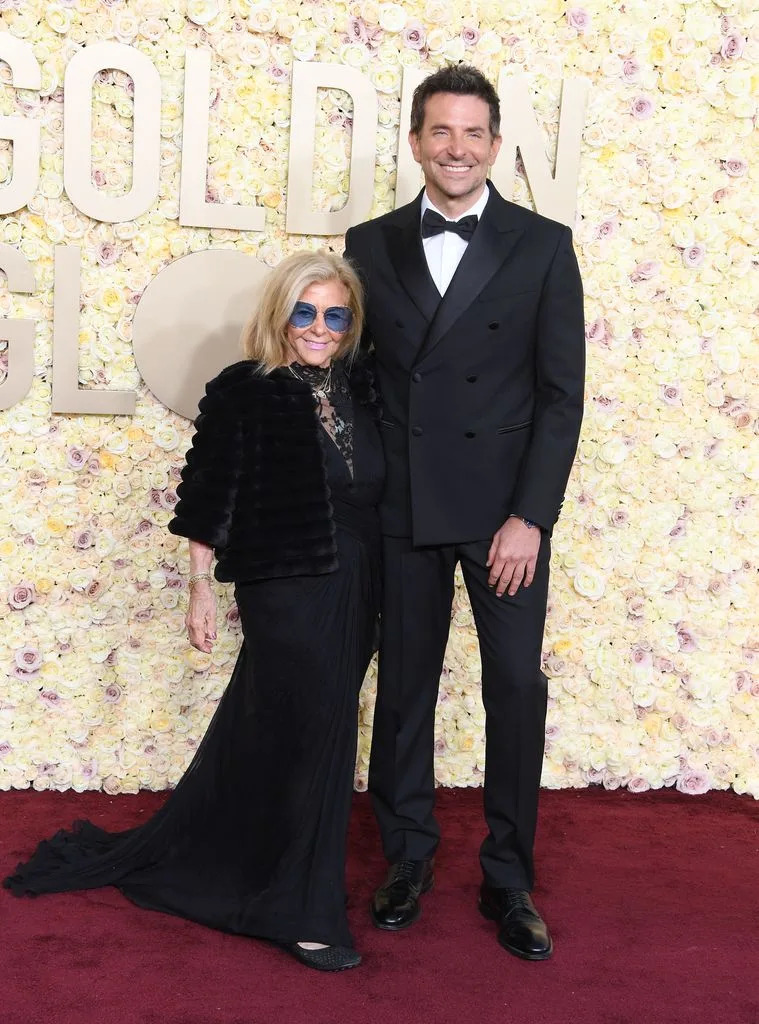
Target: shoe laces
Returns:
[401, 874]
[519, 899]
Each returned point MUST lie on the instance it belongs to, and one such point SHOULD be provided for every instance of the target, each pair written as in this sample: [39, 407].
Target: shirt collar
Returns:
[477, 209]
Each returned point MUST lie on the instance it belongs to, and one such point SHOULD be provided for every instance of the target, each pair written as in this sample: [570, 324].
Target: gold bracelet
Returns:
[197, 577]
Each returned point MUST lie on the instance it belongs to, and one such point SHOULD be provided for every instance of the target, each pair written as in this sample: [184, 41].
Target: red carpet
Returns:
[652, 900]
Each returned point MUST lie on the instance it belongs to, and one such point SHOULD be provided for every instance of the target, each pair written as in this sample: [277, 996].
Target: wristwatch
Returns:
[527, 522]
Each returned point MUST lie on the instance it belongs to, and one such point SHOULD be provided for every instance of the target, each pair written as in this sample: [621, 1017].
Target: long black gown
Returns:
[252, 840]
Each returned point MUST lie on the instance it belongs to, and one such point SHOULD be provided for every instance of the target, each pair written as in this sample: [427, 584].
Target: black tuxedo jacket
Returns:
[482, 390]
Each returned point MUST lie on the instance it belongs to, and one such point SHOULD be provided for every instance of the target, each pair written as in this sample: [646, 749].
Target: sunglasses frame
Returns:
[301, 306]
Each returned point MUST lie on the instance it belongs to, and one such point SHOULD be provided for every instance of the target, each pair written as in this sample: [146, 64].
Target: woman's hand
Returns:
[201, 616]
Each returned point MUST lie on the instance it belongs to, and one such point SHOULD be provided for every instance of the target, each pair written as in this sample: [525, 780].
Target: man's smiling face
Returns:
[455, 150]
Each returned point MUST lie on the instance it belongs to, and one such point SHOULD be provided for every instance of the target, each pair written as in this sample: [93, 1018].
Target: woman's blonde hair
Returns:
[264, 339]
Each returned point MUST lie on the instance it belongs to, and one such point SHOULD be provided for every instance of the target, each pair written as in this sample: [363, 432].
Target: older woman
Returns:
[281, 485]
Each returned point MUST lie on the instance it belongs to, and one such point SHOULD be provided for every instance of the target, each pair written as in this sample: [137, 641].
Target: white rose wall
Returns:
[652, 642]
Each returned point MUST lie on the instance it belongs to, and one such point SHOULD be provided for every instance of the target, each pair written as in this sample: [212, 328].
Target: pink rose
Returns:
[143, 527]
[414, 35]
[640, 656]
[470, 36]
[279, 74]
[631, 68]
[598, 331]
[685, 639]
[679, 529]
[52, 700]
[642, 108]
[671, 394]
[84, 539]
[720, 194]
[5, 748]
[21, 596]
[680, 722]
[638, 784]
[645, 271]
[607, 229]
[233, 618]
[356, 30]
[28, 659]
[578, 19]
[76, 458]
[112, 694]
[743, 681]
[168, 500]
[693, 256]
[732, 46]
[735, 166]
[94, 590]
[693, 782]
[636, 606]
[107, 253]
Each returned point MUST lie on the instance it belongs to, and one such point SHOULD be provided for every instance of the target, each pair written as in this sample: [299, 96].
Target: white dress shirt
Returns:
[443, 252]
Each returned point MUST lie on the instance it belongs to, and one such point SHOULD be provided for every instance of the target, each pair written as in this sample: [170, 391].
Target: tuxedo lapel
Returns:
[404, 245]
[490, 247]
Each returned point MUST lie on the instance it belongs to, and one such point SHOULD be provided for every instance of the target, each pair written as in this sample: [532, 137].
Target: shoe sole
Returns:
[491, 915]
[406, 924]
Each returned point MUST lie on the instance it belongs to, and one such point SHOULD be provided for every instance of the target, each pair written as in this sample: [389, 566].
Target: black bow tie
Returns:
[434, 224]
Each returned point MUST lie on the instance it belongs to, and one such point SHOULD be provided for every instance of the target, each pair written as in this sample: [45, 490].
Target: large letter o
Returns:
[188, 322]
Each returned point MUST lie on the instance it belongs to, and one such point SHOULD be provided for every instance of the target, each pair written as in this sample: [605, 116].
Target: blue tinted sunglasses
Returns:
[336, 318]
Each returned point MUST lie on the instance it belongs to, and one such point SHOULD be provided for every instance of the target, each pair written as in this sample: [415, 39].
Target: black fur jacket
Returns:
[254, 486]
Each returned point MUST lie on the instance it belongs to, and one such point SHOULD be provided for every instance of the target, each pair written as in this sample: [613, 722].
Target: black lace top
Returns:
[335, 406]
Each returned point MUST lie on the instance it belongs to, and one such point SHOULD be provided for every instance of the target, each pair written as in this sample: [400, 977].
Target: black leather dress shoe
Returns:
[395, 904]
[521, 928]
[331, 958]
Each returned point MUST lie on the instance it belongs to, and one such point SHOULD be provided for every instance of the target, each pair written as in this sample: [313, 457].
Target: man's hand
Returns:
[201, 616]
[512, 556]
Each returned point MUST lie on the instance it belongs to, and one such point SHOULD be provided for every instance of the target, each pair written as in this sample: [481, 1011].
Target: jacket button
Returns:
[470, 433]
[417, 431]
[471, 379]
[416, 377]
[494, 325]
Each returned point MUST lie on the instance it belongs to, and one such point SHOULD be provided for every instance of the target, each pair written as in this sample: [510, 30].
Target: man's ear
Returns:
[413, 141]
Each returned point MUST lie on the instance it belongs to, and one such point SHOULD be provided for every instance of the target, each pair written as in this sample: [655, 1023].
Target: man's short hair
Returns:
[462, 80]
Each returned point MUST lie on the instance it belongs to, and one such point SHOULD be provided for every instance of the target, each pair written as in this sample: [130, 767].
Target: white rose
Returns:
[589, 583]
[392, 17]
[200, 12]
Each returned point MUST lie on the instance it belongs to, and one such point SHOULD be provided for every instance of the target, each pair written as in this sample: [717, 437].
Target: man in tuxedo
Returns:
[474, 310]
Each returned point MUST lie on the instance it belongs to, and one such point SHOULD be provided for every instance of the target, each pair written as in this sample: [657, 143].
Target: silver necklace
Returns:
[322, 391]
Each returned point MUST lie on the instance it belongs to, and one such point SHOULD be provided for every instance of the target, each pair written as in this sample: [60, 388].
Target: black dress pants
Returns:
[416, 613]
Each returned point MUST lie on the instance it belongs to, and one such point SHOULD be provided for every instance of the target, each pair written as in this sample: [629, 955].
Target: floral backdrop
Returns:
[651, 642]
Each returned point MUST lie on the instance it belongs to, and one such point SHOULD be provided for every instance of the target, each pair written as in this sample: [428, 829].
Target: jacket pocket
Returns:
[514, 426]
[387, 423]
